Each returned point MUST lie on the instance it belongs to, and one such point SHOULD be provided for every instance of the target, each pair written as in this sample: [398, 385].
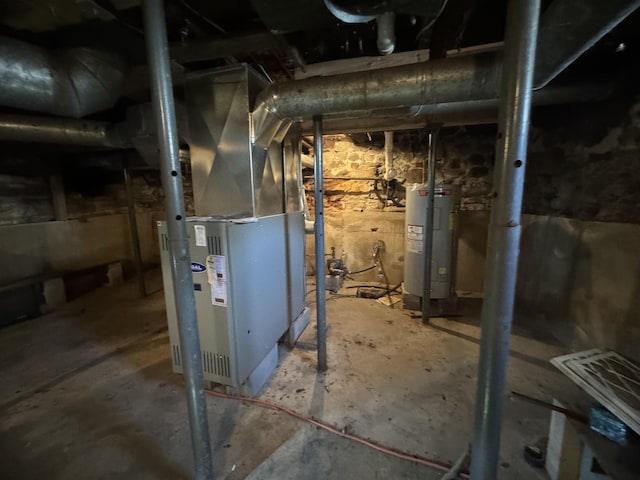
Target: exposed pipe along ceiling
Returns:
[75, 95]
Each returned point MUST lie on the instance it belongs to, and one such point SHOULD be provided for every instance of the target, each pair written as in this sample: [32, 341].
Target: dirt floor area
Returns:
[88, 392]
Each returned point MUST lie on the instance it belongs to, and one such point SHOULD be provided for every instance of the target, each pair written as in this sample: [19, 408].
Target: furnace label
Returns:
[201, 236]
[197, 267]
[217, 278]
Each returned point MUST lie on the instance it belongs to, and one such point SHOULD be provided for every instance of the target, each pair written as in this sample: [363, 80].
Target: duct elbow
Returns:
[268, 123]
[93, 81]
[75, 83]
[267, 101]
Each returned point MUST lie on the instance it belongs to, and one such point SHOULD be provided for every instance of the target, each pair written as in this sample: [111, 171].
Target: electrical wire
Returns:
[389, 451]
[202, 17]
[426, 28]
[394, 201]
[362, 271]
[386, 279]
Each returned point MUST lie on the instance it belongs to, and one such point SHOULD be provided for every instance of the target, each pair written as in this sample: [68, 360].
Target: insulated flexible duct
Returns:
[72, 83]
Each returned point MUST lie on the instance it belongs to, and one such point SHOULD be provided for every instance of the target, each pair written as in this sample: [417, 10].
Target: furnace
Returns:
[247, 241]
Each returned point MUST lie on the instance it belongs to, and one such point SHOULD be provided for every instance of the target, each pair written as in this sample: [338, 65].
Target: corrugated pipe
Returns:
[73, 83]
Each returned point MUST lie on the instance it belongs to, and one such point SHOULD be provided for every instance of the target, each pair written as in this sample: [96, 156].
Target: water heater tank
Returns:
[446, 206]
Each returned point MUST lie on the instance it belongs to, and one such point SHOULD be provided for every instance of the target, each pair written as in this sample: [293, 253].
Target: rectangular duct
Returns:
[232, 177]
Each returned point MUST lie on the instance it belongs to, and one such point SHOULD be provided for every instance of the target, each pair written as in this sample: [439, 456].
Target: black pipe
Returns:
[363, 270]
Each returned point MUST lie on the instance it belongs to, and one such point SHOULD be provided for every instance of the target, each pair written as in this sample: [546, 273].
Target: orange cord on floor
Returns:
[405, 456]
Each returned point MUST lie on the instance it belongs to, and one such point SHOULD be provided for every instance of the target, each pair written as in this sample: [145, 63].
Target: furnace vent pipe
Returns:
[73, 83]
[386, 33]
[389, 172]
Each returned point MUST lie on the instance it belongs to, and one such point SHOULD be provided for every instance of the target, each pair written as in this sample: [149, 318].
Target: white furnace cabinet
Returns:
[245, 297]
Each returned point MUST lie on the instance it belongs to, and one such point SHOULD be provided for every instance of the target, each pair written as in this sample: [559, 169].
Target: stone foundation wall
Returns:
[356, 212]
[96, 231]
[582, 164]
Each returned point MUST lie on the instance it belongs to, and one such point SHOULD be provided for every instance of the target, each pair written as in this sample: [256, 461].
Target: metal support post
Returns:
[504, 233]
[133, 229]
[428, 229]
[321, 308]
[164, 110]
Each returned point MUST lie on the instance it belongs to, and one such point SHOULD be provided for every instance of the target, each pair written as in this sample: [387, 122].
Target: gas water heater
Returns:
[445, 220]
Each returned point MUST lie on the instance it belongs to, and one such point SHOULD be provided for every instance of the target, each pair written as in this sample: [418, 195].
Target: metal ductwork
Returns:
[471, 112]
[30, 129]
[444, 81]
[439, 81]
[137, 131]
[74, 83]
[386, 33]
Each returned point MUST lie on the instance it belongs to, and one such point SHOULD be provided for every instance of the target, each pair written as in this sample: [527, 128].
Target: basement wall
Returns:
[581, 281]
[355, 217]
[96, 230]
[62, 247]
[579, 274]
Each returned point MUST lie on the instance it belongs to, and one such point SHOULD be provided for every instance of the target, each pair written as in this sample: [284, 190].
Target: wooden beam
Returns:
[361, 64]
[199, 50]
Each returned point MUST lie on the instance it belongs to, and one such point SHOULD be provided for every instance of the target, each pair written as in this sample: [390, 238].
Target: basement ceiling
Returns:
[282, 38]
[278, 35]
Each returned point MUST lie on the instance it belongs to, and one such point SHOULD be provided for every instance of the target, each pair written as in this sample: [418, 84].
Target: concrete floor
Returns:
[88, 392]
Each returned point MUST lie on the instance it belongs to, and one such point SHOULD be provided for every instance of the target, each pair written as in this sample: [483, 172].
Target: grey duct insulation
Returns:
[73, 83]
[453, 80]
[25, 128]
[474, 77]
[91, 133]
[460, 79]
[475, 112]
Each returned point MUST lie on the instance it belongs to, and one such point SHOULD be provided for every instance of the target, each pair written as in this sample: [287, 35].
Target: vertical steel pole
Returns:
[162, 97]
[321, 307]
[428, 229]
[504, 233]
[133, 230]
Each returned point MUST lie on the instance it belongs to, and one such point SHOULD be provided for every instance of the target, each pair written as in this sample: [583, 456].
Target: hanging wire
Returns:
[428, 26]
